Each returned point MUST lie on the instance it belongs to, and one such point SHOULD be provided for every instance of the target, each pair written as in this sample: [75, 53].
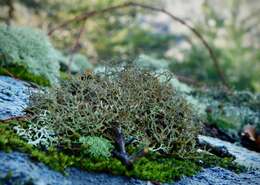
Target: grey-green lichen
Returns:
[29, 50]
[134, 99]
[36, 135]
[76, 63]
[230, 112]
[96, 146]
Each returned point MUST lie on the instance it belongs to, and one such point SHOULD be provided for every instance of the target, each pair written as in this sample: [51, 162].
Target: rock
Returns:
[17, 168]
[14, 97]
[220, 176]
[243, 156]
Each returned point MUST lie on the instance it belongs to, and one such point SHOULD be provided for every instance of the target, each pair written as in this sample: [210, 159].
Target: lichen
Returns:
[96, 146]
[31, 51]
[77, 63]
[162, 66]
[135, 99]
[148, 62]
[230, 112]
[35, 135]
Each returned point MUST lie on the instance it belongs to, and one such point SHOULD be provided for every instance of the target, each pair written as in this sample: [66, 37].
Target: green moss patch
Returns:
[23, 74]
[151, 167]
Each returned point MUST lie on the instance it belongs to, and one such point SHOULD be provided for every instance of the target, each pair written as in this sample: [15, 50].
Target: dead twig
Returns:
[84, 16]
[75, 46]
[121, 153]
[11, 11]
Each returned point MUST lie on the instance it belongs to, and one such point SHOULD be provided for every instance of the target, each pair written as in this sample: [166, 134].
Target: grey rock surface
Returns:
[17, 168]
[220, 176]
[14, 97]
[243, 156]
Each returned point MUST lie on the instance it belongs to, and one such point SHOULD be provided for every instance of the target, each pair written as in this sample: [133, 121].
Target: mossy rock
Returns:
[22, 73]
[153, 167]
[27, 53]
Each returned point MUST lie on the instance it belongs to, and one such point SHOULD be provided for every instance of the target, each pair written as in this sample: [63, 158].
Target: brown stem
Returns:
[75, 47]
[87, 15]
[11, 10]
[17, 118]
[121, 153]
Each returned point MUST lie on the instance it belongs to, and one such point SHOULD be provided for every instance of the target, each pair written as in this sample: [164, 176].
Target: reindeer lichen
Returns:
[136, 100]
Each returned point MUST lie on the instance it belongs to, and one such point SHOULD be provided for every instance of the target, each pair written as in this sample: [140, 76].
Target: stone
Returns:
[245, 157]
[220, 176]
[14, 97]
[17, 168]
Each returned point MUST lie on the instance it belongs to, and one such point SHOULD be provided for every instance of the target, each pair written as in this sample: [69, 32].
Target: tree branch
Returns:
[76, 46]
[86, 15]
[11, 10]
[121, 153]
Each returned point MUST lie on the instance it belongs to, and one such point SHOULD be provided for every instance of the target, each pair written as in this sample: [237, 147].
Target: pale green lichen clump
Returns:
[78, 64]
[96, 146]
[29, 50]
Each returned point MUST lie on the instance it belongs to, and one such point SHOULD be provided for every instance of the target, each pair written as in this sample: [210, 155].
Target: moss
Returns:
[207, 160]
[221, 122]
[64, 76]
[96, 146]
[152, 167]
[23, 74]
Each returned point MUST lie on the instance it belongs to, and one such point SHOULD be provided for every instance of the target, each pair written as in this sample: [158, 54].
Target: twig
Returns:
[253, 14]
[9, 73]
[86, 15]
[11, 10]
[121, 153]
[17, 118]
[75, 47]
[188, 80]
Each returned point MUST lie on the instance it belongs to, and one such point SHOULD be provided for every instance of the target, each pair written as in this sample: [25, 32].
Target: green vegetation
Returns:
[151, 167]
[78, 64]
[27, 53]
[96, 146]
[22, 73]
[229, 112]
[229, 36]
[72, 123]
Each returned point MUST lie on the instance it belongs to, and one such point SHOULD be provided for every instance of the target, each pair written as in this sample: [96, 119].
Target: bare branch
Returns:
[11, 10]
[121, 153]
[86, 15]
[76, 46]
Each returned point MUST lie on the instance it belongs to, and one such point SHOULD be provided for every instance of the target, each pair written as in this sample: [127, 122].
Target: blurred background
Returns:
[231, 27]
